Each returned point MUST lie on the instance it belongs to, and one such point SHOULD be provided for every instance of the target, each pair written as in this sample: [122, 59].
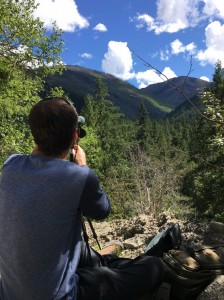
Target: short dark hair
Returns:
[52, 122]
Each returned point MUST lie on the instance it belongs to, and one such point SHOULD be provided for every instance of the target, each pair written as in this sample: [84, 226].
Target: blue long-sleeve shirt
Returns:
[41, 200]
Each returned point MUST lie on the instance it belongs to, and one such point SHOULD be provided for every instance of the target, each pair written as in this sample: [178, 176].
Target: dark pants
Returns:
[112, 278]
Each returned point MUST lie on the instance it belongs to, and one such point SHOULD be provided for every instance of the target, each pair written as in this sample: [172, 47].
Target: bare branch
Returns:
[189, 72]
[177, 88]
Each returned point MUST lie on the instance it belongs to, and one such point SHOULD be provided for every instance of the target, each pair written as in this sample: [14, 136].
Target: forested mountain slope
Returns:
[78, 82]
[172, 93]
[159, 99]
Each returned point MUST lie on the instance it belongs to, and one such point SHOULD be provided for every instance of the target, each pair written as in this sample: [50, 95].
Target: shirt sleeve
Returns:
[94, 201]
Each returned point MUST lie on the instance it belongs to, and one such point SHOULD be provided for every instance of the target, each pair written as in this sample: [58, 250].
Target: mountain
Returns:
[193, 104]
[175, 91]
[159, 99]
[77, 82]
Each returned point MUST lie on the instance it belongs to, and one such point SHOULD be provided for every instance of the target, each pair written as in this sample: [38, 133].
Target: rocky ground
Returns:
[136, 233]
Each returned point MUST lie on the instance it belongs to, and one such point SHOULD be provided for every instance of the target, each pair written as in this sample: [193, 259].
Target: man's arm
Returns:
[94, 202]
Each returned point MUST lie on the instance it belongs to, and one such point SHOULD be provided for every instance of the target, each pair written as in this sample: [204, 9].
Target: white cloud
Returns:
[118, 60]
[214, 34]
[178, 47]
[172, 16]
[151, 76]
[100, 27]
[145, 20]
[86, 55]
[204, 78]
[191, 48]
[65, 13]
[175, 15]
[158, 26]
[146, 78]
[214, 8]
[165, 54]
[168, 73]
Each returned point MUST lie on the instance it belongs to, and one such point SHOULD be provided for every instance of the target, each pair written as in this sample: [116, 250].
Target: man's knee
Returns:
[156, 269]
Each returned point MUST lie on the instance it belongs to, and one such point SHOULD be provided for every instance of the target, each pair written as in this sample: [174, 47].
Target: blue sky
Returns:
[173, 36]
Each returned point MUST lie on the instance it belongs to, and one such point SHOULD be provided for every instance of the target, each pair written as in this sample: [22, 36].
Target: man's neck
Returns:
[63, 155]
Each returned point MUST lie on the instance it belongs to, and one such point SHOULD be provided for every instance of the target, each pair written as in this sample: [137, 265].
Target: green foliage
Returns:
[218, 82]
[205, 185]
[204, 182]
[219, 217]
[106, 144]
[56, 92]
[157, 181]
[26, 52]
[24, 43]
[119, 186]
[214, 103]
[107, 124]
[139, 166]
[142, 127]
[93, 150]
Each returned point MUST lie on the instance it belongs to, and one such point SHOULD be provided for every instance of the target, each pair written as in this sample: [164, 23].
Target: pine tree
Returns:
[214, 105]
[142, 135]
[205, 182]
[218, 82]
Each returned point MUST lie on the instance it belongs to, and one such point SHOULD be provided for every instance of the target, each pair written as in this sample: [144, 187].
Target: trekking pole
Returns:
[93, 232]
[86, 239]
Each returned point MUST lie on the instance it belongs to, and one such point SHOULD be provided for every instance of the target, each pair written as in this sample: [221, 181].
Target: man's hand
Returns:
[79, 156]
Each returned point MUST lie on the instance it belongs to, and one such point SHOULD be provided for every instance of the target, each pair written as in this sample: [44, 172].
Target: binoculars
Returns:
[81, 131]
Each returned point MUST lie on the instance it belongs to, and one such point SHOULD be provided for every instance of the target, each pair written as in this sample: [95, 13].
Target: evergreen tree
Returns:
[109, 136]
[205, 182]
[218, 82]
[142, 127]
[214, 105]
[108, 125]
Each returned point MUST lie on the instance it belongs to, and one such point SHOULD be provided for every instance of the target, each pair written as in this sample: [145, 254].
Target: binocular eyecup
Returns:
[81, 131]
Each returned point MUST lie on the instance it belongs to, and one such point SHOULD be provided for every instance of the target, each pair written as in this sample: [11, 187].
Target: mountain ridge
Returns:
[78, 82]
[177, 90]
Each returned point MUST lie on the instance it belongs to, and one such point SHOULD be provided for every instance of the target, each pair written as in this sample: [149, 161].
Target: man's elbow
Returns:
[103, 215]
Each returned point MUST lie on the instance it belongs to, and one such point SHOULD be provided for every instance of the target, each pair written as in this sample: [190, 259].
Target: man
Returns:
[42, 197]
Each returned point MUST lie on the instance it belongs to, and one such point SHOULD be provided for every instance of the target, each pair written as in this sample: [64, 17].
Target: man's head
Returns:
[53, 123]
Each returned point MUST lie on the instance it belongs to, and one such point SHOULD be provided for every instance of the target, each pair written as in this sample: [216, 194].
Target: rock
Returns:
[217, 227]
[214, 233]
[215, 291]
[164, 218]
[133, 243]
